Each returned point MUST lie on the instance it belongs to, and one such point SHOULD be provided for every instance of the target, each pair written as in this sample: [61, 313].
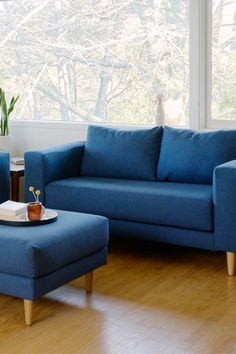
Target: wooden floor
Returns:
[150, 298]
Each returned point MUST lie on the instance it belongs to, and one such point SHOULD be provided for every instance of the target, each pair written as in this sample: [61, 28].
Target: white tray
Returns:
[48, 217]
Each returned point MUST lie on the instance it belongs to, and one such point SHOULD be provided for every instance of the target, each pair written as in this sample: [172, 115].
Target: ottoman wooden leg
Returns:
[89, 282]
[230, 262]
[28, 306]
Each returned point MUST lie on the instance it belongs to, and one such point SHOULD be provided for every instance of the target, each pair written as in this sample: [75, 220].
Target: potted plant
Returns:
[5, 111]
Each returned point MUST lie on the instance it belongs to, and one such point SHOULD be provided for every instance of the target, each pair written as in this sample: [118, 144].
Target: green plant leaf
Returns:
[12, 104]
[5, 115]
[1, 92]
[1, 123]
[5, 112]
[12, 101]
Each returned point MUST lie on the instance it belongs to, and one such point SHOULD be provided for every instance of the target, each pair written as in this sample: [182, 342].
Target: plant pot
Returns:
[35, 211]
[5, 143]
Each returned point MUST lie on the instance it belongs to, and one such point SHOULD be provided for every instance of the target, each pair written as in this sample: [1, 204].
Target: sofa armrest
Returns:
[224, 199]
[4, 176]
[48, 165]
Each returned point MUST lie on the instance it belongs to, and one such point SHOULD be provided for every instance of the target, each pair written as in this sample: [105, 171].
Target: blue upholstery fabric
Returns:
[122, 154]
[159, 233]
[33, 288]
[224, 196]
[47, 165]
[34, 252]
[190, 157]
[173, 204]
[4, 176]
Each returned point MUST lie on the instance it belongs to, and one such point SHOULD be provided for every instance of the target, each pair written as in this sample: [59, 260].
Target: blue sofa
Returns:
[170, 185]
[4, 176]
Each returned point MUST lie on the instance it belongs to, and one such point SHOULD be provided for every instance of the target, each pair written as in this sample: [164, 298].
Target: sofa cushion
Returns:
[164, 203]
[190, 157]
[116, 153]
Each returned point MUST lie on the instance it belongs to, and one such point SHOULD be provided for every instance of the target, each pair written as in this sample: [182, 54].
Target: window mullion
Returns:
[198, 64]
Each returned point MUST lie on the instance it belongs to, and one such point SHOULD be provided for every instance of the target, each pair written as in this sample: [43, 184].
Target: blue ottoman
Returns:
[35, 260]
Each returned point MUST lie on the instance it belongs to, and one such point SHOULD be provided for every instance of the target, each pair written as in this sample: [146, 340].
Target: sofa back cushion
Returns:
[190, 157]
[131, 154]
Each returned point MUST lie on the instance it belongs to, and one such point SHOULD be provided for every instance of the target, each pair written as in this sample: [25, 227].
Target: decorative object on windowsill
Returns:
[35, 209]
[5, 112]
[160, 113]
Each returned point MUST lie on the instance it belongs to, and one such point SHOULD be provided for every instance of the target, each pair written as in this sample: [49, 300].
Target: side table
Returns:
[16, 172]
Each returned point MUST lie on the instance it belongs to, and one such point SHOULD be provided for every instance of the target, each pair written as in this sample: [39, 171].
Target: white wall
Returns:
[26, 136]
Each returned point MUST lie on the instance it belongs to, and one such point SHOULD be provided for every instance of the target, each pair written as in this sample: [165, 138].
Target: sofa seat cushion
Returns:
[39, 250]
[118, 153]
[163, 203]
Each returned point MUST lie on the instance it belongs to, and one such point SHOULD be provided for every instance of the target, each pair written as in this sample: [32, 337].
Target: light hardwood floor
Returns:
[150, 298]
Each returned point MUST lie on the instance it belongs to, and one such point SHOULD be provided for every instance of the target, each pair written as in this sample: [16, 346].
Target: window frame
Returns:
[210, 122]
[198, 64]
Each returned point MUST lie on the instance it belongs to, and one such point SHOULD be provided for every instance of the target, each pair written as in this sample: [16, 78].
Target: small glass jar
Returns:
[35, 211]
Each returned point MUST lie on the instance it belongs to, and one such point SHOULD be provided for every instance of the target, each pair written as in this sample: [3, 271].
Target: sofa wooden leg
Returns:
[230, 262]
[89, 282]
[28, 306]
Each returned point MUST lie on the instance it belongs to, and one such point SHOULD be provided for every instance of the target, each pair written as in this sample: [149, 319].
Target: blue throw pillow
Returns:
[189, 156]
[124, 154]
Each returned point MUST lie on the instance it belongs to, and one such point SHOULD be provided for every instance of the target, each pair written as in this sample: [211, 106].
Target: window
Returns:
[123, 61]
[223, 60]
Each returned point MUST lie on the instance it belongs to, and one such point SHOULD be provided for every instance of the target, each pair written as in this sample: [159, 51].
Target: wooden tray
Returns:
[48, 217]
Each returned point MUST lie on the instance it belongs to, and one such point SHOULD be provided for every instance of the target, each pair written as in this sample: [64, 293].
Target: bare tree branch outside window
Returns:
[123, 61]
